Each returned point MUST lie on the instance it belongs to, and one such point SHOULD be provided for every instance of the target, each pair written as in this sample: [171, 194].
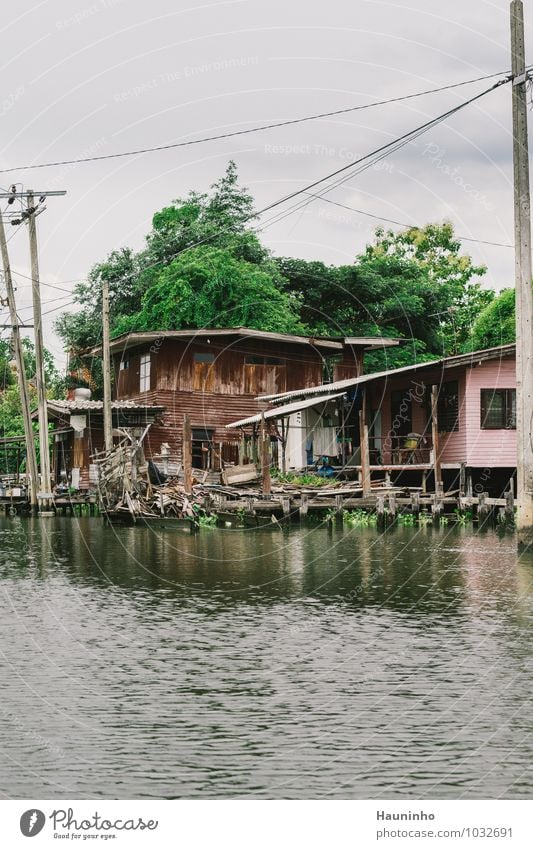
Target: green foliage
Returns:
[203, 266]
[495, 324]
[300, 480]
[207, 520]
[359, 518]
[208, 287]
[447, 285]
[406, 520]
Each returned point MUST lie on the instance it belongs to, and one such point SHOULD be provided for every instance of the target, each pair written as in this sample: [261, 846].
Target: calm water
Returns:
[252, 664]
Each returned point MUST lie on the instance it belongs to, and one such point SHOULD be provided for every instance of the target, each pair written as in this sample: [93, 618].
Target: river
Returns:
[313, 663]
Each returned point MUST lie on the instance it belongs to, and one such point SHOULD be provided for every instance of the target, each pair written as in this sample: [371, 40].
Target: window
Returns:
[204, 357]
[498, 409]
[448, 407]
[124, 364]
[144, 373]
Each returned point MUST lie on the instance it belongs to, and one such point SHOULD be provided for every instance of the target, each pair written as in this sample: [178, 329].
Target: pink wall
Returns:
[470, 444]
[488, 447]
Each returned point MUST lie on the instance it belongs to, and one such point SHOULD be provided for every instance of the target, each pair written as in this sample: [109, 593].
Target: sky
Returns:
[91, 77]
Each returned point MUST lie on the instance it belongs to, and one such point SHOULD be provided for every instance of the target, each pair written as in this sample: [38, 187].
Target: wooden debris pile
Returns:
[125, 488]
[169, 500]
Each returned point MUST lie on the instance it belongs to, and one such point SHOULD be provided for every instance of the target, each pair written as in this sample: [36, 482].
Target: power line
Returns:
[386, 149]
[219, 136]
[48, 285]
[404, 224]
[343, 174]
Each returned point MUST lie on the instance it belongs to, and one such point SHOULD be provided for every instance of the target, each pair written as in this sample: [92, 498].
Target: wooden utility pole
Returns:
[29, 214]
[265, 458]
[106, 356]
[523, 280]
[46, 486]
[31, 458]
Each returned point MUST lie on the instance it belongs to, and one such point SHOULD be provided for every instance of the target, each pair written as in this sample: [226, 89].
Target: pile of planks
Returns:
[169, 500]
[124, 488]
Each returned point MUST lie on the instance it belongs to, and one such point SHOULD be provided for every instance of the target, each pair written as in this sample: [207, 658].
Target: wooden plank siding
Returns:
[489, 447]
[215, 393]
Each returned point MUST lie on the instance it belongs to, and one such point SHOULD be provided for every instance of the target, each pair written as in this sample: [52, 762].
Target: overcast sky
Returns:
[87, 77]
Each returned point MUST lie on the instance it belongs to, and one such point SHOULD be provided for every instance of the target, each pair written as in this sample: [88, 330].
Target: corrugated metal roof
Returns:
[335, 343]
[134, 339]
[286, 410]
[471, 359]
[61, 405]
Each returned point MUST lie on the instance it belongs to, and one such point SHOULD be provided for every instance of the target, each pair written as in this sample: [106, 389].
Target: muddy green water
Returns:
[263, 664]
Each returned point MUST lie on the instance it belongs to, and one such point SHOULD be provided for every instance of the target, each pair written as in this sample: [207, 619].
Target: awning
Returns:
[286, 410]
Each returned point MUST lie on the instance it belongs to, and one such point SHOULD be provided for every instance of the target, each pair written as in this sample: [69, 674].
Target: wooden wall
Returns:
[173, 368]
[214, 394]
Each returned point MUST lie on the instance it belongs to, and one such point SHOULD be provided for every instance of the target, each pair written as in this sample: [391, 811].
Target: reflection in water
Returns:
[267, 664]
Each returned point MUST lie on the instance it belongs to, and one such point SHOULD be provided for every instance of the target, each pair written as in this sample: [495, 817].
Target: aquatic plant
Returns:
[359, 518]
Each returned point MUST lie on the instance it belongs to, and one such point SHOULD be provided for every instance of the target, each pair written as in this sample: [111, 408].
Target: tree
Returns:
[218, 219]
[495, 325]
[208, 287]
[458, 296]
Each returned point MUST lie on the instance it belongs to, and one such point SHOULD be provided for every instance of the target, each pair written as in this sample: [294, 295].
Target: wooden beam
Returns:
[435, 435]
[187, 455]
[365, 450]
[265, 458]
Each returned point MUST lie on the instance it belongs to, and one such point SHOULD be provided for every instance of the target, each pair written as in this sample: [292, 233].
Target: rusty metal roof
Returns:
[334, 343]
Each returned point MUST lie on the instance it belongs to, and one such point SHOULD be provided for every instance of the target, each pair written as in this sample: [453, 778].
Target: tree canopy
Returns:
[203, 265]
[495, 325]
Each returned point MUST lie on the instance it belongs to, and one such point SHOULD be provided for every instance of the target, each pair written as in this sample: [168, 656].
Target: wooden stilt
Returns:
[482, 508]
[392, 509]
[462, 479]
[435, 435]
[509, 506]
[365, 450]
[380, 511]
[187, 455]
[437, 508]
[265, 459]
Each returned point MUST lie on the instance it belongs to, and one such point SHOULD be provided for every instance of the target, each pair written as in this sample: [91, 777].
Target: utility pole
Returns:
[523, 282]
[106, 356]
[31, 458]
[29, 214]
[46, 484]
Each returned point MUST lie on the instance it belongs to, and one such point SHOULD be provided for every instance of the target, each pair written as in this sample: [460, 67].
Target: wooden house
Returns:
[449, 421]
[216, 375]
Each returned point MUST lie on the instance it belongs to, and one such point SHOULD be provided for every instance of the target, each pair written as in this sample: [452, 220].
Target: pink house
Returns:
[453, 420]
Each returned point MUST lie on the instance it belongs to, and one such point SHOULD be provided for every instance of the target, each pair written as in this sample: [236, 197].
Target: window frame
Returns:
[508, 408]
[145, 372]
